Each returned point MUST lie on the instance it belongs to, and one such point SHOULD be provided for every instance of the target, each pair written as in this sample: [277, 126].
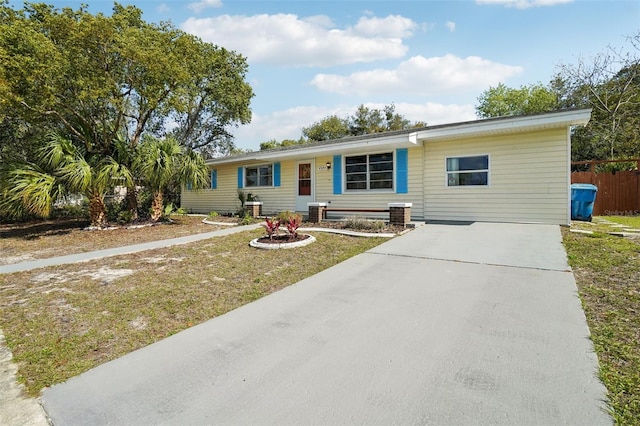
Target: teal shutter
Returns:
[402, 171]
[337, 174]
[240, 177]
[214, 179]
[189, 186]
[276, 174]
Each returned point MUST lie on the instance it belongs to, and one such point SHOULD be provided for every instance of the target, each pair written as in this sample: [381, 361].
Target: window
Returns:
[259, 176]
[369, 172]
[468, 171]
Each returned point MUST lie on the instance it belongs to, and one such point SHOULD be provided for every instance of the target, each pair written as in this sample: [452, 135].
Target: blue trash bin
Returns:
[583, 196]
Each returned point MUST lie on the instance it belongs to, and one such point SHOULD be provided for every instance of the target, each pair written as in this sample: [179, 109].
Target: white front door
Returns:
[305, 187]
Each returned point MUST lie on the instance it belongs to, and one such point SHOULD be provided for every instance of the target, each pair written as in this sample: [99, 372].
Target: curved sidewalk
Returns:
[117, 251]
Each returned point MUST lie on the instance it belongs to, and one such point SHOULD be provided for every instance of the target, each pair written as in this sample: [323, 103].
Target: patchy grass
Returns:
[43, 239]
[607, 271]
[630, 221]
[64, 320]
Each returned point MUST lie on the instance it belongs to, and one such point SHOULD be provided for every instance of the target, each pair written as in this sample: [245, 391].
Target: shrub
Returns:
[293, 223]
[285, 215]
[272, 225]
[362, 224]
[71, 211]
[245, 220]
[213, 215]
[125, 216]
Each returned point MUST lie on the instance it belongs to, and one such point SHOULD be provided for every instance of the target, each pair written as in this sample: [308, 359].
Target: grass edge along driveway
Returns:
[607, 272]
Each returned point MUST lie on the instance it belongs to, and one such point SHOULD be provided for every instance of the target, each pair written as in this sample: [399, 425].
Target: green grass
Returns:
[630, 221]
[607, 271]
[62, 321]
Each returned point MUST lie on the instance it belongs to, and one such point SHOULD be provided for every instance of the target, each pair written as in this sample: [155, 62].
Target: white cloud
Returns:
[162, 8]
[285, 124]
[288, 124]
[286, 39]
[391, 26]
[204, 4]
[524, 4]
[420, 76]
[451, 26]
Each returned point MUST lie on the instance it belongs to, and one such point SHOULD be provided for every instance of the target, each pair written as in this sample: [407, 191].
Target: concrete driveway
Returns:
[448, 324]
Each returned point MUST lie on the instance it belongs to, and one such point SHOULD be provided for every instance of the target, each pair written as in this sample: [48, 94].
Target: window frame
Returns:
[447, 173]
[258, 167]
[368, 189]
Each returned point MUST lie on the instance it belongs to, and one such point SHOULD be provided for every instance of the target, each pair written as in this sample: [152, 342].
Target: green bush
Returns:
[361, 224]
[213, 215]
[71, 211]
[246, 220]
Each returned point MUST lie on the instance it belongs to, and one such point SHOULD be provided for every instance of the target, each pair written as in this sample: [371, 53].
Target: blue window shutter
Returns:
[214, 179]
[276, 174]
[189, 186]
[402, 171]
[337, 174]
[240, 177]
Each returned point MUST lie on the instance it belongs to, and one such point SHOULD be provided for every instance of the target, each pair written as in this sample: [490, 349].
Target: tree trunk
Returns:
[132, 202]
[156, 206]
[97, 210]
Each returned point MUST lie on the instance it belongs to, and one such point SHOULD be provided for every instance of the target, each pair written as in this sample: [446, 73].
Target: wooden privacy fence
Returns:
[618, 192]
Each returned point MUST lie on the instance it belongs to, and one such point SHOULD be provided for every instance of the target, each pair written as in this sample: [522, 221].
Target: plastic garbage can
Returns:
[583, 196]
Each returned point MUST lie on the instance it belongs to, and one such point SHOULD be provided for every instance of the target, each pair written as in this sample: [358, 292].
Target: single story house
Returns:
[506, 169]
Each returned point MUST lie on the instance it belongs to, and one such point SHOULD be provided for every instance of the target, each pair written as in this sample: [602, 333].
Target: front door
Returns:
[305, 191]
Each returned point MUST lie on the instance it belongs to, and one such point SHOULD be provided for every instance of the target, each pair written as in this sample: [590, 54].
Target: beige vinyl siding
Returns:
[372, 199]
[224, 199]
[528, 179]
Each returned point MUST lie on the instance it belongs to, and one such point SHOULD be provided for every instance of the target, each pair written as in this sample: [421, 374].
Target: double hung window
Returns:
[259, 176]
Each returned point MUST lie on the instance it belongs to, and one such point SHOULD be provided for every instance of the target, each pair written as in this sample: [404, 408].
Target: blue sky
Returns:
[432, 59]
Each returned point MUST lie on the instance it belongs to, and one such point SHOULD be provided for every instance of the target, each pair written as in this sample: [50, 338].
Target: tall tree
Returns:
[99, 76]
[331, 127]
[610, 84]
[60, 168]
[96, 79]
[502, 100]
[163, 162]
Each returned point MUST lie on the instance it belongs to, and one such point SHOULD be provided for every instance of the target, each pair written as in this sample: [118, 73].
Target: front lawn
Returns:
[42, 239]
[607, 271]
[61, 321]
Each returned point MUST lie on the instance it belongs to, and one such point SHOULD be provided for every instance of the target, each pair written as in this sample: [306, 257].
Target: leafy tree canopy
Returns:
[501, 100]
[609, 84]
[364, 121]
[94, 77]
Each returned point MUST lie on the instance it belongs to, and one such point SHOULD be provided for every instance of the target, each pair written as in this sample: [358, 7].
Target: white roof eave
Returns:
[454, 131]
[518, 124]
[392, 142]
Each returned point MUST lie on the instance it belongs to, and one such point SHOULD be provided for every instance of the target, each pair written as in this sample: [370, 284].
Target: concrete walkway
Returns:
[117, 251]
[477, 324]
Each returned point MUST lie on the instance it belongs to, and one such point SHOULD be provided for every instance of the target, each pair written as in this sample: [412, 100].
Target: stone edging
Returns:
[210, 222]
[305, 242]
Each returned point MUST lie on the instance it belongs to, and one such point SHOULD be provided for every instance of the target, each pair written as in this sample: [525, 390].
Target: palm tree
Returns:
[61, 168]
[162, 162]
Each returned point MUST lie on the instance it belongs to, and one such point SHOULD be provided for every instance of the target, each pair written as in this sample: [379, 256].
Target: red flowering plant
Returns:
[293, 223]
[272, 225]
